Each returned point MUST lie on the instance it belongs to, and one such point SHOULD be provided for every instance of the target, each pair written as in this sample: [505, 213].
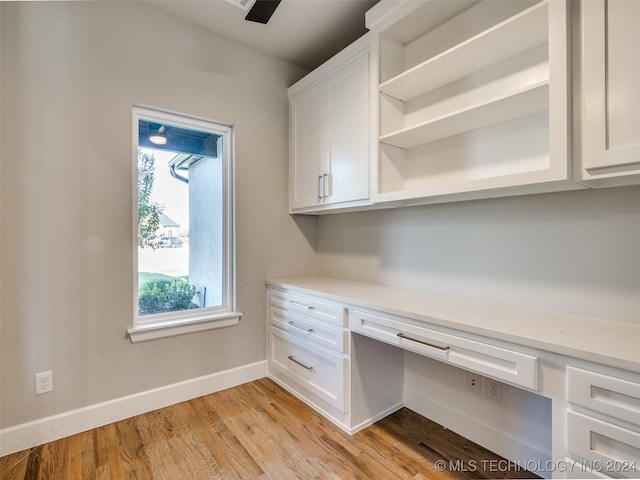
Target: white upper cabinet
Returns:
[608, 146]
[329, 134]
[308, 147]
[458, 100]
[472, 99]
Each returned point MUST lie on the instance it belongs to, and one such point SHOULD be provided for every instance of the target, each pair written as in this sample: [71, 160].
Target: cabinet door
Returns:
[348, 102]
[610, 98]
[319, 371]
[308, 147]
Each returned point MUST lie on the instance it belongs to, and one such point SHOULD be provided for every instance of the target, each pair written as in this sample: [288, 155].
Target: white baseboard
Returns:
[37, 432]
[338, 418]
[374, 419]
[500, 442]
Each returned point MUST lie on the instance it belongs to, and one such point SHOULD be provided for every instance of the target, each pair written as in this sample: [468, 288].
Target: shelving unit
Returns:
[468, 94]
[531, 100]
[515, 35]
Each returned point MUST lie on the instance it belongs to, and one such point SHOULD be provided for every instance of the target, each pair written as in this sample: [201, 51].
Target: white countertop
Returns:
[609, 342]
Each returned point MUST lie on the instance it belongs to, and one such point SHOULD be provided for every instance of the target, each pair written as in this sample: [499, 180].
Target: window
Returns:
[184, 225]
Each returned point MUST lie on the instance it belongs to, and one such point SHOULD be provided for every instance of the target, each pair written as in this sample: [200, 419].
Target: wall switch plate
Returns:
[44, 382]
[494, 389]
[474, 382]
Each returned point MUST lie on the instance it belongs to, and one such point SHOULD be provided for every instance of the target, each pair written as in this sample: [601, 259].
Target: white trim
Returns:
[161, 329]
[371, 420]
[189, 321]
[37, 432]
[472, 428]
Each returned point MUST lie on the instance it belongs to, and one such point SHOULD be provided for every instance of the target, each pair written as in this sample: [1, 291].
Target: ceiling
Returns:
[303, 32]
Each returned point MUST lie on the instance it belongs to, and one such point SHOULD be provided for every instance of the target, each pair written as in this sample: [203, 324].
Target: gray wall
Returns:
[571, 251]
[70, 74]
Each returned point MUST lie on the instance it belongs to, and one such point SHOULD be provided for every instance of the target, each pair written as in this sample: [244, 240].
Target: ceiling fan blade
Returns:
[262, 10]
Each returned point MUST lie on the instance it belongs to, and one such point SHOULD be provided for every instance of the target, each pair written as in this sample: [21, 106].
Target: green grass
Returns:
[148, 277]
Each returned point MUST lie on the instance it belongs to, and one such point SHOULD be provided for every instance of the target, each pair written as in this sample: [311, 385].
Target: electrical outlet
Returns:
[474, 382]
[494, 390]
[44, 382]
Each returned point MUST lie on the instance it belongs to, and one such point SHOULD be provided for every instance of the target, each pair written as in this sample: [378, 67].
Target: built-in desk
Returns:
[339, 345]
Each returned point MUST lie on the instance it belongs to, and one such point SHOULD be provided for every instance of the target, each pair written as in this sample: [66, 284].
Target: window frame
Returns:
[154, 326]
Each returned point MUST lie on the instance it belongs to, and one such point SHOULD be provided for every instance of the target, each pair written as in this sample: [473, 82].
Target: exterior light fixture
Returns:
[158, 138]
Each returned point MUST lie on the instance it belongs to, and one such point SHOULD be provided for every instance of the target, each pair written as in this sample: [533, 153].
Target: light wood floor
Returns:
[253, 431]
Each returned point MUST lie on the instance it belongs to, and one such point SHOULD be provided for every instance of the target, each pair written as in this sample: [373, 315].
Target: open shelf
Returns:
[518, 34]
[493, 111]
[472, 102]
[499, 156]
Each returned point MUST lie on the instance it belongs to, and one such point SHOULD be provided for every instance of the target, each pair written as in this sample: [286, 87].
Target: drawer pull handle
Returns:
[402, 335]
[306, 307]
[308, 330]
[290, 357]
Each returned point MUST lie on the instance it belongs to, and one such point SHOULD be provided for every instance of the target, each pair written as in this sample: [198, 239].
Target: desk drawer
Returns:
[320, 371]
[610, 448]
[302, 326]
[497, 362]
[327, 312]
[578, 470]
[605, 394]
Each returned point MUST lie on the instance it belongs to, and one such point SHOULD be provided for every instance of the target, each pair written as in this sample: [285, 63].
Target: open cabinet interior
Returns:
[472, 96]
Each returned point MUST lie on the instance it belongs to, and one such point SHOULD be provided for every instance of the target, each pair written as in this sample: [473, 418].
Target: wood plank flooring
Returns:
[254, 431]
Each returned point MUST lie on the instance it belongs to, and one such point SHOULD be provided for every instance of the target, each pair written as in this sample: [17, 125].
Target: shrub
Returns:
[162, 297]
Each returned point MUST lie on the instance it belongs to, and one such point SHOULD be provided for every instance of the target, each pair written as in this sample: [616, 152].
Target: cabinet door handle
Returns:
[325, 178]
[320, 177]
[290, 357]
[293, 324]
[306, 307]
[421, 342]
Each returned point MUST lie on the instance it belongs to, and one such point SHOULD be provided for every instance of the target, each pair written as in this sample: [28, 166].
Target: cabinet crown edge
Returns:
[316, 75]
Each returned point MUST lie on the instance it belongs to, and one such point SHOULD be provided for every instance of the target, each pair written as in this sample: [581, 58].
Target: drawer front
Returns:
[310, 329]
[320, 371]
[605, 394]
[497, 362]
[315, 308]
[610, 449]
[579, 470]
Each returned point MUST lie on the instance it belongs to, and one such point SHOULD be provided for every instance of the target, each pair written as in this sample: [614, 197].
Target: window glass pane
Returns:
[181, 248]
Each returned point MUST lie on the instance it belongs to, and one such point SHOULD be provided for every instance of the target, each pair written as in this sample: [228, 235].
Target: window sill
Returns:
[152, 331]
